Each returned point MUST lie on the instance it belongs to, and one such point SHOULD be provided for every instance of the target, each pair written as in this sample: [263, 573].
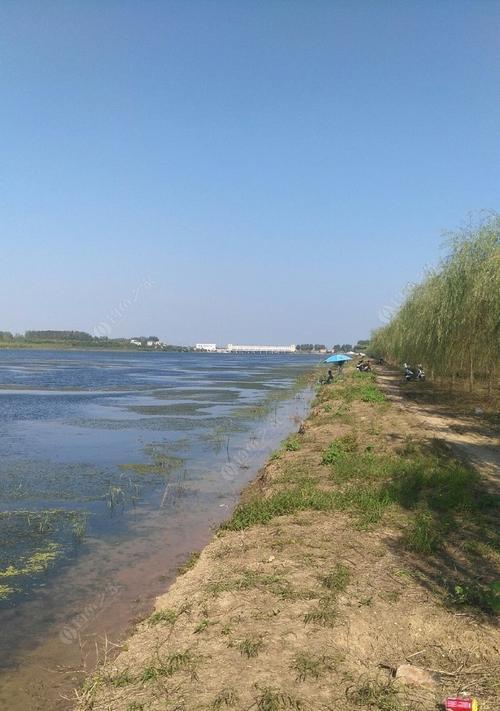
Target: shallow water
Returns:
[113, 467]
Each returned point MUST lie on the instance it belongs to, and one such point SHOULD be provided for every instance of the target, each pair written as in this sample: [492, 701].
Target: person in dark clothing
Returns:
[330, 376]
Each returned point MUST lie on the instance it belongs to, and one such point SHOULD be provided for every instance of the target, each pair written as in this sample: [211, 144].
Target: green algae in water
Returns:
[163, 462]
[31, 542]
[27, 567]
[37, 562]
[6, 591]
[162, 466]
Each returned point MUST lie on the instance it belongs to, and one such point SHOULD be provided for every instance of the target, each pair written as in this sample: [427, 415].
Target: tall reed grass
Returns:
[450, 322]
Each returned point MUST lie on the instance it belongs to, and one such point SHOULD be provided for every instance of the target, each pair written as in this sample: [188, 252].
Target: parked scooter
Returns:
[364, 366]
[414, 373]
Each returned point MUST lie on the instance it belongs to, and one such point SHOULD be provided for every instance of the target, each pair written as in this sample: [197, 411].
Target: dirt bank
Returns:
[363, 545]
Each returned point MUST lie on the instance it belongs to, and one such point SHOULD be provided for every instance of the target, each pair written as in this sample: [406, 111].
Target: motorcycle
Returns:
[413, 373]
[363, 367]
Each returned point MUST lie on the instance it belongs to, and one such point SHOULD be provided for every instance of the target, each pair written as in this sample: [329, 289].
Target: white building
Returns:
[210, 347]
[232, 348]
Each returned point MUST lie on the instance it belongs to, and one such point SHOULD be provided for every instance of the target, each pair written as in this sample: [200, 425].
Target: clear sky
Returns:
[237, 170]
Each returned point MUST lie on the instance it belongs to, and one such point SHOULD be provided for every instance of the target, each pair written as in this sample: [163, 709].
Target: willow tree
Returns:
[451, 321]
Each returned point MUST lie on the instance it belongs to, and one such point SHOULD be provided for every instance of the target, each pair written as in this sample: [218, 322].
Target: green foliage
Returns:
[163, 617]
[473, 595]
[310, 347]
[342, 347]
[361, 386]
[262, 510]
[47, 336]
[337, 580]
[422, 535]
[292, 443]
[339, 448]
[450, 322]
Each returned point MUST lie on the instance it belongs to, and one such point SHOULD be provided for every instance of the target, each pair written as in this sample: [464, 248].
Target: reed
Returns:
[450, 322]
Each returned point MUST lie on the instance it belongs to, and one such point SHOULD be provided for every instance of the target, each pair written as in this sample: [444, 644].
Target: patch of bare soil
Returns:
[315, 609]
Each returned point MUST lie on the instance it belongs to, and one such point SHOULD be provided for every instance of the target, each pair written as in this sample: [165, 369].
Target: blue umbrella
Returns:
[337, 358]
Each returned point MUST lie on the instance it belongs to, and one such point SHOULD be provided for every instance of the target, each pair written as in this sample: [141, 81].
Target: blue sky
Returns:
[212, 170]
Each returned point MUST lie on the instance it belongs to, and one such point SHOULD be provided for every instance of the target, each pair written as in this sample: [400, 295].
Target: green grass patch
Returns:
[166, 617]
[262, 510]
[422, 534]
[339, 447]
[338, 579]
[474, 595]
[292, 443]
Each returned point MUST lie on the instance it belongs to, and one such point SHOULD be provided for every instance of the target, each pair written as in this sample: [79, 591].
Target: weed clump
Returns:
[325, 614]
[292, 443]
[123, 678]
[422, 535]
[338, 579]
[376, 695]
[225, 698]
[250, 647]
[339, 448]
[273, 700]
[168, 617]
[169, 665]
[310, 666]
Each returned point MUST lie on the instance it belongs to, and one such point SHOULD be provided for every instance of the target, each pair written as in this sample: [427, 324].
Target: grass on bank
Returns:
[436, 500]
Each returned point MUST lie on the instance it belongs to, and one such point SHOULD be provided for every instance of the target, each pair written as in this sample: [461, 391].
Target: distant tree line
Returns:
[342, 347]
[47, 336]
[77, 339]
[309, 347]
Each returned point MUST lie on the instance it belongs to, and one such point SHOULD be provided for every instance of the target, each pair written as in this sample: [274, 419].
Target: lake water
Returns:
[113, 468]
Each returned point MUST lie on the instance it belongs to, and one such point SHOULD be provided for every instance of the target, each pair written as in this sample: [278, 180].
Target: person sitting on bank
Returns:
[330, 376]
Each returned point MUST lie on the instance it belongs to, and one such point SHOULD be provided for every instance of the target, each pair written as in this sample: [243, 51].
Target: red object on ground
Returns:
[457, 703]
